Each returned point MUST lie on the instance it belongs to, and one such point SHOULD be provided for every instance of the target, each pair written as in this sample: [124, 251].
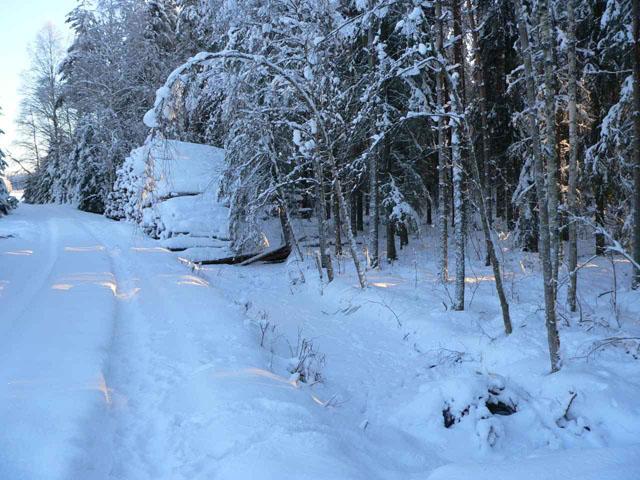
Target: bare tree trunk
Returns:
[548, 41]
[338, 225]
[342, 205]
[458, 303]
[321, 212]
[403, 234]
[374, 214]
[290, 236]
[353, 212]
[484, 217]
[392, 254]
[484, 123]
[34, 137]
[443, 163]
[545, 240]
[359, 211]
[636, 141]
[573, 159]
[456, 91]
[599, 194]
[285, 215]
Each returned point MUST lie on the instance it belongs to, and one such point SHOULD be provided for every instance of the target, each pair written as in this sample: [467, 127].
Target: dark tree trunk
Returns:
[600, 205]
[338, 224]
[403, 234]
[392, 254]
[359, 212]
[352, 212]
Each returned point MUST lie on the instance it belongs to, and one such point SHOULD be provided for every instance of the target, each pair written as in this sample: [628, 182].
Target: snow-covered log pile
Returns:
[171, 189]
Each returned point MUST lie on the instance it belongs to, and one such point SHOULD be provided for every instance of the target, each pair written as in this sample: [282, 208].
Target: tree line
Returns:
[372, 117]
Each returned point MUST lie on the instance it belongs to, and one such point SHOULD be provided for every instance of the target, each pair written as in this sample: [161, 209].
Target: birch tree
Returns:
[457, 87]
[443, 159]
[553, 337]
[548, 42]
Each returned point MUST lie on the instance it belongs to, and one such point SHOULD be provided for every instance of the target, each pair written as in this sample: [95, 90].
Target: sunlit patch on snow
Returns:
[113, 286]
[522, 267]
[383, 284]
[257, 372]
[622, 260]
[102, 387]
[105, 279]
[151, 249]
[128, 295]
[88, 277]
[25, 387]
[481, 278]
[326, 403]
[191, 280]
[94, 248]
[265, 241]
[21, 253]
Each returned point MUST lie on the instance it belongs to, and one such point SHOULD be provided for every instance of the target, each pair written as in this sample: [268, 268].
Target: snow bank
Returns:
[432, 387]
[592, 464]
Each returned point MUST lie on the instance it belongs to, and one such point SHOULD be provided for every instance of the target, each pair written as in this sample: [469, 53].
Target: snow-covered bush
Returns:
[306, 362]
[7, 202]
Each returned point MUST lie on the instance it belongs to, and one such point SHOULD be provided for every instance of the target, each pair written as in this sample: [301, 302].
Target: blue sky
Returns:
[20, 21]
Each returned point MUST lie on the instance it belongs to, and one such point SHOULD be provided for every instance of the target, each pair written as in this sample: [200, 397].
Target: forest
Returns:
[492, 130]
[469, 114]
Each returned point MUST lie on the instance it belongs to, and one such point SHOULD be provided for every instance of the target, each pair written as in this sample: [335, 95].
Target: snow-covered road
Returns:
[57, 308]
[117, 361]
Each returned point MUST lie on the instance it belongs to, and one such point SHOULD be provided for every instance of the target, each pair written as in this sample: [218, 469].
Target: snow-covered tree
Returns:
[7, 202]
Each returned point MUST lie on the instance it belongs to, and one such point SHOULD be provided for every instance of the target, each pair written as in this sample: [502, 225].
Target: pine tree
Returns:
[636, 139]
[7, 202]
[92, 175]
[572, 260]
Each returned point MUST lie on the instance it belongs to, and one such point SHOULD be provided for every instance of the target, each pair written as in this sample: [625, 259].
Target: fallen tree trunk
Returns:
[271, 256]
[275, 255]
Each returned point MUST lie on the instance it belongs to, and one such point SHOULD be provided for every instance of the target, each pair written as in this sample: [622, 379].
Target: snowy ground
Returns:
[119, 361]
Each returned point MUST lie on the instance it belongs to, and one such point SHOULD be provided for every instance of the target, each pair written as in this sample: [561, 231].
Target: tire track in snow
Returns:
[31, 290]
[98, 456]
[136, 417]
[53, 347]
[200, 402]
